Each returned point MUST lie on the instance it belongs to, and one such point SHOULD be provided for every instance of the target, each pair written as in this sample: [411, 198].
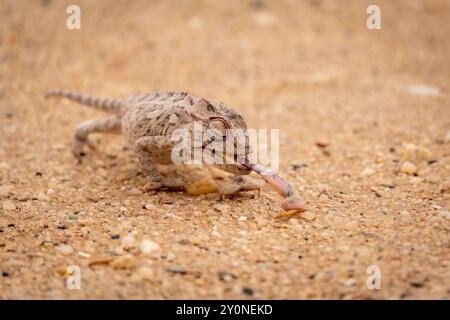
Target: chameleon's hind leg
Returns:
[149, 151]
[110, 124]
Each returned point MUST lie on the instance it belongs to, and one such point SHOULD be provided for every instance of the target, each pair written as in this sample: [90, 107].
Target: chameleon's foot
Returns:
[78, 146]
[173, 183]
[152, 186]
[237, 183]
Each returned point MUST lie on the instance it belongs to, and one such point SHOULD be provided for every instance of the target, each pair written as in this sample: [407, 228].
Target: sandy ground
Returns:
[309, 68]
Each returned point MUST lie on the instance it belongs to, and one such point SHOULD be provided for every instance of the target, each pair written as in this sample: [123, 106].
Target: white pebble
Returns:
[129, 241]
[148, 246]
[65, 249]
[350, 282]
[215, 233]
[242, 218]
[145, 273]
[421, 90]
[367, 172]
[84, 254]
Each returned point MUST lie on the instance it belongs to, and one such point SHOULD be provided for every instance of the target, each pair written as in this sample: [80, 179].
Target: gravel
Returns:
[310, 81]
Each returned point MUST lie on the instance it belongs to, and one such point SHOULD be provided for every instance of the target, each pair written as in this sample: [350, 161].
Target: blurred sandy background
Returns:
[353, 106]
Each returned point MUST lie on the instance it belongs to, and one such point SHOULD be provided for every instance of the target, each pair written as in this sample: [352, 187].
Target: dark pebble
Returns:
[247, 291]
[38, 174]
[115, 236]
[416, 284]
[296, 167]
[179, 270]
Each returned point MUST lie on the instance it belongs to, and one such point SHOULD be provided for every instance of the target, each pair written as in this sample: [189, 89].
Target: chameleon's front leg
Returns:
[149, 151]
[110, 124]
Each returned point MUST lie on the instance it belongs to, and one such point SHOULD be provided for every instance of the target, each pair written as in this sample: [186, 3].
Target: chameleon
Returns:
[147, 123]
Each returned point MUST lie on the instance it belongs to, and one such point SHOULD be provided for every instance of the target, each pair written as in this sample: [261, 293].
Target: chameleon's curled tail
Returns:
[104, 104]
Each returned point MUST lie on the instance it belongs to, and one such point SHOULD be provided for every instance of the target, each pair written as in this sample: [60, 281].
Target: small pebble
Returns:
[179, 270]
[248, 291]
[215, 233]
[447, 137]
[405, 218]
[367, 172]
[408, 168]
[423, 90]
[145, 273]
[148, 246]
[226, 276]
[416, 180]
[350, 282]
[129, 241]
[65, 249]
[84, 254]
[42, 197]
[8, 205]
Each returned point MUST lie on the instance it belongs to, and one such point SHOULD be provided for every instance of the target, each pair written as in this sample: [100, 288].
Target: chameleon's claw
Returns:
[152, 186]
[91, 143]
[77, 148]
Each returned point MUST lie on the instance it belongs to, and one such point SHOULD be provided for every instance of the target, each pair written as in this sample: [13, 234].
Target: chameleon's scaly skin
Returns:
[147, 123]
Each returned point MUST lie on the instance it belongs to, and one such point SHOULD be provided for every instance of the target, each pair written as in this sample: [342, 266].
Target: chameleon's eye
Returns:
[210, 108]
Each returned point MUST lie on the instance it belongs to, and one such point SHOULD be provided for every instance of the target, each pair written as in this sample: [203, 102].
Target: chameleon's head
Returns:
[225, 127]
